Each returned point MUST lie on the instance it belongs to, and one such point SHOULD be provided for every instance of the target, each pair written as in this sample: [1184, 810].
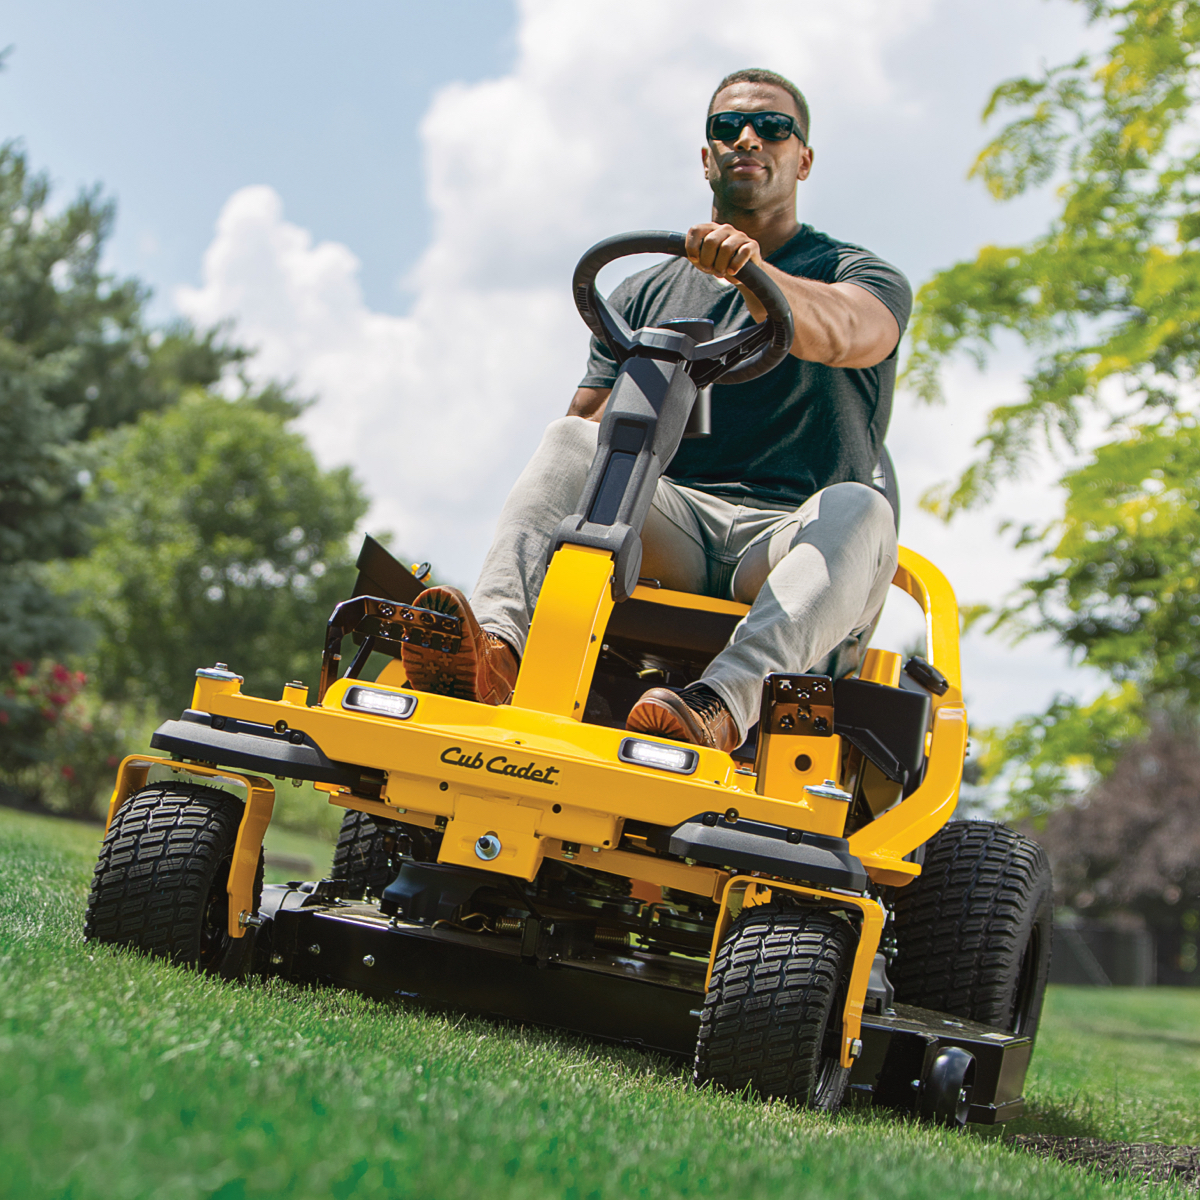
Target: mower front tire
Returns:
[160, 883]
[973, 929]
[772, 1016]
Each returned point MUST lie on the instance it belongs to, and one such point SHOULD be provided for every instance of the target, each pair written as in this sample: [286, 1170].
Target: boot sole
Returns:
[660, 720]
[445, 674]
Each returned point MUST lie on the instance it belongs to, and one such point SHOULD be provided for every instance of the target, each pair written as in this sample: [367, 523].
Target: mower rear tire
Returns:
[160, 883]
[973, 929]
[772, 1016]
[363, 856]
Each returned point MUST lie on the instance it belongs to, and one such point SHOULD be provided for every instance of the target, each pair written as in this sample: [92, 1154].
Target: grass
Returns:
[125, 1077]
[1122, 1064]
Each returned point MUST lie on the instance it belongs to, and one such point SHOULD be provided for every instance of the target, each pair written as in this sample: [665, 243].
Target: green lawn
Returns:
[125, 1077]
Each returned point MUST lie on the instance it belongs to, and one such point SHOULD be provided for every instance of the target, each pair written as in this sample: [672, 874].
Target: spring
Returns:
[611, 937]
[511, 925]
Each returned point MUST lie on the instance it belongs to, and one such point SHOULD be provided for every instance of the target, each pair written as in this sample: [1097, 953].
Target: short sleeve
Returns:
[601, 367]
[881, 279]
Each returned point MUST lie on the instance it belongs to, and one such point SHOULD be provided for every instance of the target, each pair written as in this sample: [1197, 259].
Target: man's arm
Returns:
[589, 402]
[838, 324]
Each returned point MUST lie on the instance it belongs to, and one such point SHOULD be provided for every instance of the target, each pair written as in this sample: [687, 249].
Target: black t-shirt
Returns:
[800, 427]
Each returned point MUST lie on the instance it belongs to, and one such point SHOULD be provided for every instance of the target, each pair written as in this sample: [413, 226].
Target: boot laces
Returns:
[703, 701]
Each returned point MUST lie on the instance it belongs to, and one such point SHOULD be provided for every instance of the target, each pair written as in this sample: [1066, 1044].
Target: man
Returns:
[773, 508]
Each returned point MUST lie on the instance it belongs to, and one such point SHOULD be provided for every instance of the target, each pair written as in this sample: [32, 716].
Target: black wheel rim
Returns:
[1027, 981]
[214, 924]
[829, 1061]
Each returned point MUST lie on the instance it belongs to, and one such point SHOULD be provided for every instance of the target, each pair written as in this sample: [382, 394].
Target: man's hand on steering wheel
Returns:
[722, 250]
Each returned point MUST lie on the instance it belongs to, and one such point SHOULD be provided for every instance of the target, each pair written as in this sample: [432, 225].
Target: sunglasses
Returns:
[770, 126]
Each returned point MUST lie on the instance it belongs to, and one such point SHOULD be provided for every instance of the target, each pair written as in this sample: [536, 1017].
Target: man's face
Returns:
[753, 173]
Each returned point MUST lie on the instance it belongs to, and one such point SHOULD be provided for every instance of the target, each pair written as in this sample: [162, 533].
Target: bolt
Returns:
[488, 847]
[222, 667]
[855, 1047]
[368, 960]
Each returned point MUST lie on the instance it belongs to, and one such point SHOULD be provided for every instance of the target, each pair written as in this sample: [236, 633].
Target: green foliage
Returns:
[75, 357]
[1043, 760]
[1109, 297]
[1108, 302]
[222, 540]
[1122, 584]
[125, 1076]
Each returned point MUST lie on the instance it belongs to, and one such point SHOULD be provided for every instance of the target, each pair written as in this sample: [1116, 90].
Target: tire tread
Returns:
[157, 863]
[962, 925]
[775, 977]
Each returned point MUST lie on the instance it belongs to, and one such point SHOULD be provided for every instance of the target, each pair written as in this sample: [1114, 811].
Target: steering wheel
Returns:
[735, 358]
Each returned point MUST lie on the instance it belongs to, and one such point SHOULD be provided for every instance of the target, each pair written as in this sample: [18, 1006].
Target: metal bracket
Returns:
[798, 704]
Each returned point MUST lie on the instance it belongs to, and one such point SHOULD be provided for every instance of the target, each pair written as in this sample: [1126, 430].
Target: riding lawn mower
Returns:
[800, 919]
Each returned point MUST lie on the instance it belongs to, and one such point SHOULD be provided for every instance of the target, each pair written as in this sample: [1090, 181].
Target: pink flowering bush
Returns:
[59, 743]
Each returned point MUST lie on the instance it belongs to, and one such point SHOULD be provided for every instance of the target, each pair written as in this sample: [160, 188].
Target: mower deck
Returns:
[309, 936]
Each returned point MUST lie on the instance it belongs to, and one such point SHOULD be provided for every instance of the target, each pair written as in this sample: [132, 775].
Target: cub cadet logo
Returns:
[499, 765]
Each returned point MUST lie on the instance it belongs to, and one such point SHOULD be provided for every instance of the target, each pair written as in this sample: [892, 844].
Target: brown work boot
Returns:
[694, 714]
[484, 668]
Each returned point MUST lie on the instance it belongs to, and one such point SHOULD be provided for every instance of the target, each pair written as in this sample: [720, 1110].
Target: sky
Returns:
[386, 199]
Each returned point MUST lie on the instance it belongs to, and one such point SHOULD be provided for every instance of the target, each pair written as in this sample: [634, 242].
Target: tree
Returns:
[76, 358]
[222, 540]
[1108, 302]
[1134, 845]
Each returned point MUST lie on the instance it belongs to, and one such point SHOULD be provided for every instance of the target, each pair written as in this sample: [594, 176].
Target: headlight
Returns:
[380, 704]
[679, 759]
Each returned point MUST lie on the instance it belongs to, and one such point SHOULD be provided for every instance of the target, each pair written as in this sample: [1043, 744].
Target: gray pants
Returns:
[813, 576]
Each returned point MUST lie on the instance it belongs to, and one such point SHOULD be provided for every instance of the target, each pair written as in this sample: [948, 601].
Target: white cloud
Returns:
[596, 129]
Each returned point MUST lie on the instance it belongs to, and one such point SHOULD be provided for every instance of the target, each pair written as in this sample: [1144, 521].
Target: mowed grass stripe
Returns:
[126, 1077]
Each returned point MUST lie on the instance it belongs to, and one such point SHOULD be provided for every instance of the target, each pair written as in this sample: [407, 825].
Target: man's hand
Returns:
[720, 250]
